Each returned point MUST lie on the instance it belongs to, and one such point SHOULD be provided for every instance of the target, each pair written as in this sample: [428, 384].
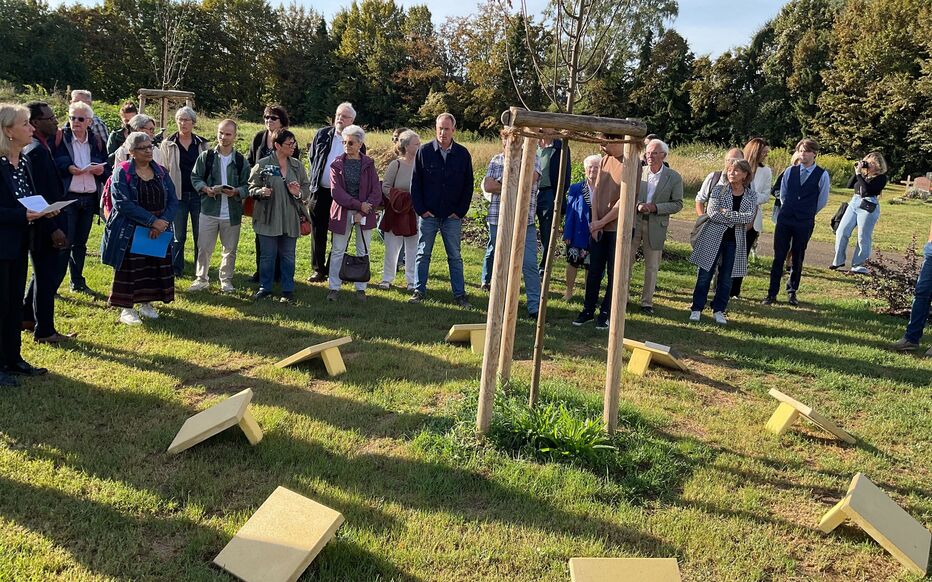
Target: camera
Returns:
[863, 164]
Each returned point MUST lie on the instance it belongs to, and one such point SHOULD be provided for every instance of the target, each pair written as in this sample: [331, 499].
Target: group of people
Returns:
[150, 186]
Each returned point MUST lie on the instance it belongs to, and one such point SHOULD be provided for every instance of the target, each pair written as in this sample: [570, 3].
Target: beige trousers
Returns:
[651, 260]
[209, 227]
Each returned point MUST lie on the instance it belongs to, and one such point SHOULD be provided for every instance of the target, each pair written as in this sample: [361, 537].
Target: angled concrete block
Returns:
[784, 416]
[216, 419]
[329, 352]
[624, 570]
[474, 333]
[280, 540]
[643, 353]
[898, 532]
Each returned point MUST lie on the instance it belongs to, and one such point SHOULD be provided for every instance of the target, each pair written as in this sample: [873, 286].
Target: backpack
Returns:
[106, 199]
[238, 160]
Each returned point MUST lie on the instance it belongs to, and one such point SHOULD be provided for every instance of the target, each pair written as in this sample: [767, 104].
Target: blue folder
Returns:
[152, 247]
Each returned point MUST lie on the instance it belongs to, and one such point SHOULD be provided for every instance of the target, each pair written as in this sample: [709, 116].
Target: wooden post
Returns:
[519, 235]
[142, 103]
[495, 318]
[556, 227]
[163, 119]
[616, 331]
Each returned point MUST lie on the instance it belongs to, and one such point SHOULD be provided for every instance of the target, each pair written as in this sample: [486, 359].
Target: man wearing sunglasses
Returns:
[82, 165]
[321, 153]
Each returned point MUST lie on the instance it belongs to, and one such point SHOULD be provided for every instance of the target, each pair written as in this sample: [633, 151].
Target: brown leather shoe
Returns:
[56, 338]
[317, 278]
[28, 325]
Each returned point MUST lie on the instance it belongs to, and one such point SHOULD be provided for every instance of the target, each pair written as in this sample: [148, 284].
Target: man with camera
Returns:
[804, 192]
[221, 175]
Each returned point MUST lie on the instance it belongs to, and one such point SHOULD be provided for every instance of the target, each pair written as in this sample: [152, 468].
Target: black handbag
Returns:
[355, 268]
[839, 214]
[868, 205]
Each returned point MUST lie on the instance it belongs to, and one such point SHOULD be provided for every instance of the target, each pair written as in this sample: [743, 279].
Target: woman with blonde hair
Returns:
[870, 177]
[755, 152]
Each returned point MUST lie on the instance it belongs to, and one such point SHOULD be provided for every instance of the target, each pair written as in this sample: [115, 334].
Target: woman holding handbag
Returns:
[870, 177]
[280, 187]
[723, 236]
[399, 223]
[356, 193]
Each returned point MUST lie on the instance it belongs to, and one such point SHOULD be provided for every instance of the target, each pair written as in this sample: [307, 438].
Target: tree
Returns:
[660, 96]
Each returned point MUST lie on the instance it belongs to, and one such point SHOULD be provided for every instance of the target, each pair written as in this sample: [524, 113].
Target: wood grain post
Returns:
[616, 331]
[496, 310]
[519, 235]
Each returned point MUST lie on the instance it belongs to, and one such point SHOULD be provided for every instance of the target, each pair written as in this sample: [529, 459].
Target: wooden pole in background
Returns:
[496, 310]
[519, 234]
[630, 176]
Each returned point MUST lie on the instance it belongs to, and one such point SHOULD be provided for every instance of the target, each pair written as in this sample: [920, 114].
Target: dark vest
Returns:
[802, 200]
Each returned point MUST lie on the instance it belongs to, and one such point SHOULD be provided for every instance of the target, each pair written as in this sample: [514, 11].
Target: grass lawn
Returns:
[87, 491]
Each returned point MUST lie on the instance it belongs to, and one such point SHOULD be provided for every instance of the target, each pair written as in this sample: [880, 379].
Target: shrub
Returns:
[553, 431]
[892, 282]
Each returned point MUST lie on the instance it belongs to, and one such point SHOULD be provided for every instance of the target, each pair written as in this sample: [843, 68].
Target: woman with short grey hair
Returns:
[399, 223]
[141, 123]
[180, 152]
[143, 198]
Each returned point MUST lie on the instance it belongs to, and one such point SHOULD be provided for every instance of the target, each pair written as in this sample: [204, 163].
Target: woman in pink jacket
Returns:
[356, 194]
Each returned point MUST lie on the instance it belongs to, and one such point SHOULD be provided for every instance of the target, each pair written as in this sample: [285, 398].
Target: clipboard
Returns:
[150, 247]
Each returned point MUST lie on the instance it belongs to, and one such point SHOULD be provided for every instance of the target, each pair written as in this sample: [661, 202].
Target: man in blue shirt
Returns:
[919, 314]
[441, 189]
[804, 192]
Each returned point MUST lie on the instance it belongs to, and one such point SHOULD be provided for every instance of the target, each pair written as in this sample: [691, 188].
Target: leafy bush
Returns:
[553, 431]
[892, 282]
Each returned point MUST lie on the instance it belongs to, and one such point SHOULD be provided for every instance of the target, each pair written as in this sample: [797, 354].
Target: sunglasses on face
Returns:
[271, 118]
[80, 119]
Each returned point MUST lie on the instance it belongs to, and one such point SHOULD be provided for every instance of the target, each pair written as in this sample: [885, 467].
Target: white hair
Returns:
[348, 107]
[449, 116]
[186, 112]
[139, 121]
[81, 95]
[593, 159]
[354, 131]
[661, 143]
[135, 139]
[81, 106]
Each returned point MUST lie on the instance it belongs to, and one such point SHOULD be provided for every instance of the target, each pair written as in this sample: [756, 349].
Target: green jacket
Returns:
[239, 180]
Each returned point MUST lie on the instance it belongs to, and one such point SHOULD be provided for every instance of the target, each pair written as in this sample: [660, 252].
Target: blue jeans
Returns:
[80, 217]
[190, 204]
[921, 302]
[726, 253]
[272, 248]
[528, 267]
[451, 231]
[865, 221]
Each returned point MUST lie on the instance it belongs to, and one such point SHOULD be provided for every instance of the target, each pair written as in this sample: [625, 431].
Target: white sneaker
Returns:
[130, 317]
[719, 317]
[227, 287]
[146, 310]
[198, 285]
[695, 315]
[860, 270]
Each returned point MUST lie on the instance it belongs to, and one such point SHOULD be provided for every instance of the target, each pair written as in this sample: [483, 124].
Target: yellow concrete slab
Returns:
[659, 353]
[474, 333]
[813, 416]
[624, 570]
[280, 540]
[217, 419]
[898, 532]
[329, 352]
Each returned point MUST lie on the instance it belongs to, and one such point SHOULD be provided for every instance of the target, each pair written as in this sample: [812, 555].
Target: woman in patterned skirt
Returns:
[143, 197]
[576, 223]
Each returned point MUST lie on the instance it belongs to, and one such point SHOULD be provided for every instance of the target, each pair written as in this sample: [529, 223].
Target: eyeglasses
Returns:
[347, 142]
[271, 118]
[147, 148]
[185, 120]
[81, 119]
[49, 118]
[289, 144]
[661, 153]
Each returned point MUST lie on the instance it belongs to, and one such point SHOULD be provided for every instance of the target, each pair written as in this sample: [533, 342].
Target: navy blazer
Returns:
[14, 227]
[64, 158]
[442, 187]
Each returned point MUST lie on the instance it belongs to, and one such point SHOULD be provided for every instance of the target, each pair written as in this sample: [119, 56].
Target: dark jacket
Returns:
[49, 186]
[554, 167]
[442, 187]
[127, 214]
[14, 227]
[64, 158]
[258, 141]
[317, 154]
[116, 139]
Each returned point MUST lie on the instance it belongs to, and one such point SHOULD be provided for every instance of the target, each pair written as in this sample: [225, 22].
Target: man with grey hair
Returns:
[321, 153]
[441, 189]
[98, 127]
[660, 195]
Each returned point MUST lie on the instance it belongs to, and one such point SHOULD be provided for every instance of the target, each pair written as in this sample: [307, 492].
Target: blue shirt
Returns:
[824, 184]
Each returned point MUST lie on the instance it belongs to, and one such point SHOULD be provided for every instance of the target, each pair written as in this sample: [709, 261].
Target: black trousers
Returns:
[751, 238]
[601, 259]
[320, 221]
[789, 237]
[12, 283]
[48, 271]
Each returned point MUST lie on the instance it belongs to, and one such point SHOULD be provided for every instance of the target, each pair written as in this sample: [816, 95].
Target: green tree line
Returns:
[854, 74]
